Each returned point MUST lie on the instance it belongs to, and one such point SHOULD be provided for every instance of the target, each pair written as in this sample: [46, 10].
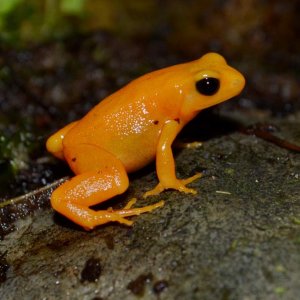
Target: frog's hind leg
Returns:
[101, 177]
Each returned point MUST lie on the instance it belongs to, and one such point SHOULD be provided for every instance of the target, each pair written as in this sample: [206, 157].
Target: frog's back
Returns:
[137, 110]
[126, 124]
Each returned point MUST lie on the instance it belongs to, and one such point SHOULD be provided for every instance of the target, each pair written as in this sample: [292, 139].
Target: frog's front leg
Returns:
[165, 165]
[101, 176]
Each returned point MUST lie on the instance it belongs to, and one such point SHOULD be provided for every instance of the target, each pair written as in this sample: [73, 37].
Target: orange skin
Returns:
[129, 129]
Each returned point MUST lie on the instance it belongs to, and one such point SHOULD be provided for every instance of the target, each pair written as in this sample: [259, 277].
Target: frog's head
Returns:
[210, 82]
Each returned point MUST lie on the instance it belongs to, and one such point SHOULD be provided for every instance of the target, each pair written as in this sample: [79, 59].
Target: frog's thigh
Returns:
[102, 177]
[87, 157]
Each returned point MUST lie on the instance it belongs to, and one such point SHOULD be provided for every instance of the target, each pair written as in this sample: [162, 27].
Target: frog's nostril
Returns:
[239, 82]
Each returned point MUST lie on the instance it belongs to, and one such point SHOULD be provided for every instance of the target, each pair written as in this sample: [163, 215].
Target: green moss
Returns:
[280, 290]
[33, 21]
[8, 6]
[229, 171]
[14, 152]
[296, 220]
[74, 7]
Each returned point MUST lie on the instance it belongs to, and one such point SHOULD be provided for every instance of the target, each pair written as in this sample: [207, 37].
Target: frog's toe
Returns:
[156, 191]
[176, 184]
[186, 190]
[191, 179]
[128, 211]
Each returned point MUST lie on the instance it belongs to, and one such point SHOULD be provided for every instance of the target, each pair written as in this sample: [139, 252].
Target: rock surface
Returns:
[238, 238]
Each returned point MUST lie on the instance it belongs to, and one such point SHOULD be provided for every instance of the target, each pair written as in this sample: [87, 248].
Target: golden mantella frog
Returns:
[129, 129]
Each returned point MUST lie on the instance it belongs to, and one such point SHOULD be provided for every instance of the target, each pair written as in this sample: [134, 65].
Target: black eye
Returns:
[208, 86]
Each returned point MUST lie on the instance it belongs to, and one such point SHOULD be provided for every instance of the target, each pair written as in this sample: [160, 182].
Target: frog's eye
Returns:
[208, 86]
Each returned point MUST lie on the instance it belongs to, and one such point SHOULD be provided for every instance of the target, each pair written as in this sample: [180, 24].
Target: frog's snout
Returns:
[238, 82]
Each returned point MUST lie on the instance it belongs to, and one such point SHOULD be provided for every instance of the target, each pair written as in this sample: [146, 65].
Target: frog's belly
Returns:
[134, 152]
[132, 141]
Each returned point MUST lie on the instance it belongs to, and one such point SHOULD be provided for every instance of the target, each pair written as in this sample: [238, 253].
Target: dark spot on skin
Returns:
[177, 120]
[137, 286]
[73, 159]
[92, 270]
[155, 122]
[159, 286]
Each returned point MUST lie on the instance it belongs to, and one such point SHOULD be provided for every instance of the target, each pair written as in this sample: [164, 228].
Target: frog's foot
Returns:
[177, 184]
[128, 211]
[110, 215]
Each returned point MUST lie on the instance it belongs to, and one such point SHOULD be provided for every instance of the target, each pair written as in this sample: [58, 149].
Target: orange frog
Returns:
[131, 128]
